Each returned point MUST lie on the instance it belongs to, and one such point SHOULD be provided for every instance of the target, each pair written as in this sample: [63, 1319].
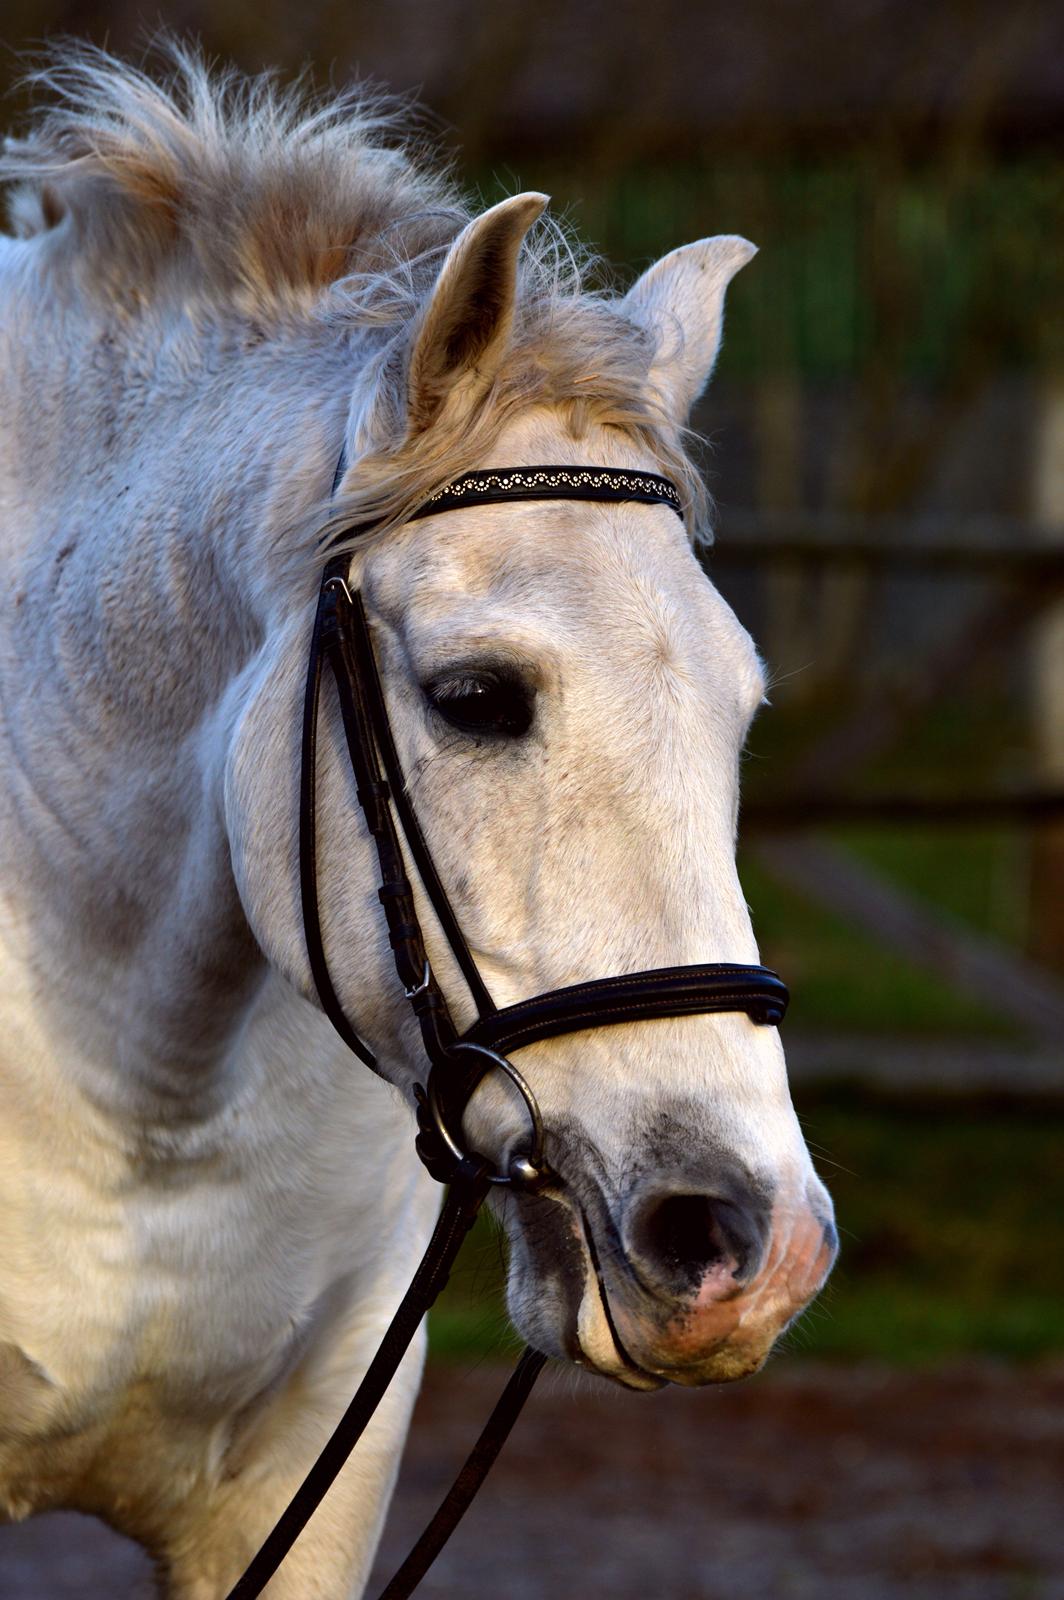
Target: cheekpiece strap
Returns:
[492, 487]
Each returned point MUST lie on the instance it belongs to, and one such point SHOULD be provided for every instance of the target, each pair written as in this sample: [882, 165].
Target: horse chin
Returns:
[601, 1351]
[618, 1347]
[726, 1365]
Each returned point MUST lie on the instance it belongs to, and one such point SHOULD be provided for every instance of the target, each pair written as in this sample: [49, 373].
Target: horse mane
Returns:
[272, 203]
[270, 189]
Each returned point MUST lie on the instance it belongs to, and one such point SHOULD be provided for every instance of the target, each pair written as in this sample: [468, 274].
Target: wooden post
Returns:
[1047, 687]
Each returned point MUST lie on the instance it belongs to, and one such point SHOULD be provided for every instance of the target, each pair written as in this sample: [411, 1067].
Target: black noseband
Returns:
[661, 992]
[457, 1063]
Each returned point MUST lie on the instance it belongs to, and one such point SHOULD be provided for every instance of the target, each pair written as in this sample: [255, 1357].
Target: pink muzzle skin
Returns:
[725, 1329]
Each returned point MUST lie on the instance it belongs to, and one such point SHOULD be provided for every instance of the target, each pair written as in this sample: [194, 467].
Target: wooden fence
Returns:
[1013, 586]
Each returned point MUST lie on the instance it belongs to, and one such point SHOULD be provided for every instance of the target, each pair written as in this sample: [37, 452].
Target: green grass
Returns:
[469, 1318]
[951, 1218]
[978, 875]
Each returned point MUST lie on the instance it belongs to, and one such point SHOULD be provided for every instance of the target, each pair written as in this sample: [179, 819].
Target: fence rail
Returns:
[891, 549]
[946, 810]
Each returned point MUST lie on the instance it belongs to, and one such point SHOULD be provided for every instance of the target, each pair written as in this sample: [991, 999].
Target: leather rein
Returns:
[456, 1062]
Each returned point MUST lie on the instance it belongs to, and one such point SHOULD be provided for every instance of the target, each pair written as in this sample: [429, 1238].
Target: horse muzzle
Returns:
[690, 1285]
[707, 1283]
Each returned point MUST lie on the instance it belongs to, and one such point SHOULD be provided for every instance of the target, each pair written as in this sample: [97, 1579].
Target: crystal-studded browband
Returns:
[494, 486]
[491, 486]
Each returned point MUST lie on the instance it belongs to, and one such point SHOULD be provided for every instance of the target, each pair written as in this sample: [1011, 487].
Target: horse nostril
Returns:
[675, 1240]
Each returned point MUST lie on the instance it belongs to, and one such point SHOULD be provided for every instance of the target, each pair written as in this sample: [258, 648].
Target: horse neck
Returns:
[133, 522]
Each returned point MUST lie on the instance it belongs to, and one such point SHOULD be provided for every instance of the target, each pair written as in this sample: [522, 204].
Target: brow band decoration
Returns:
[551, 483]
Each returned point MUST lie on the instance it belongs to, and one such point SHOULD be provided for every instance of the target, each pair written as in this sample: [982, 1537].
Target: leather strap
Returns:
[659, 992]
[395, 892]
[308, 854]
[601, 1003]
[464, 1199]
[498, 484]
[341, 637]
[464, 1489]
[351, 614]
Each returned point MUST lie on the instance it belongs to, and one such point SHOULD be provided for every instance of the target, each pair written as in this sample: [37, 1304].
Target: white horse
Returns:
[209, 1207]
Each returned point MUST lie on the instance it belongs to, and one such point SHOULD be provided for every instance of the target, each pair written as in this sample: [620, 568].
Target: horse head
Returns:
[569, 696]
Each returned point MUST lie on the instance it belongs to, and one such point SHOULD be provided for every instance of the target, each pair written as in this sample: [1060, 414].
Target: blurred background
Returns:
[885, 444]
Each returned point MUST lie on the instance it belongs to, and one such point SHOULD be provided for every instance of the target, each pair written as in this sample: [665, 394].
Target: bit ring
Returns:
[526, 1169]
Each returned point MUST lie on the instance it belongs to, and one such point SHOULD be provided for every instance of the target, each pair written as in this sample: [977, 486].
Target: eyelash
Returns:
[497, 703]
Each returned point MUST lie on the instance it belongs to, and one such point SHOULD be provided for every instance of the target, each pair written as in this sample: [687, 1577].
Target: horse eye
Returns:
[483, 702]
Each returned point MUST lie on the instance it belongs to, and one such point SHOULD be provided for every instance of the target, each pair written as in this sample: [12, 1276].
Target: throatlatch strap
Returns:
[463, 1201]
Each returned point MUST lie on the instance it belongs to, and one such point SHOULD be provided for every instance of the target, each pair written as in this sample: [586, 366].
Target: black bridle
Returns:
[457, 1062]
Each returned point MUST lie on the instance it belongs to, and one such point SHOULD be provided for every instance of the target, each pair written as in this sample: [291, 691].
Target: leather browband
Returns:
[497, 486]
[493, 486]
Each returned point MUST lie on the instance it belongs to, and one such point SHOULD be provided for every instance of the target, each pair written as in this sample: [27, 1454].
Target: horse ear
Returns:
[465, 328]
[681, 298]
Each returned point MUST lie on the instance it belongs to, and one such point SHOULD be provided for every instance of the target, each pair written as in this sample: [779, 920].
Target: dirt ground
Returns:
[839, 1483]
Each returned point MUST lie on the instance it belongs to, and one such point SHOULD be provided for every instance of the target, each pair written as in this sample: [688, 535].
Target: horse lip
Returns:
[629, 1372]
[656, 1377]
[555, 1192]
[646, 1378]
